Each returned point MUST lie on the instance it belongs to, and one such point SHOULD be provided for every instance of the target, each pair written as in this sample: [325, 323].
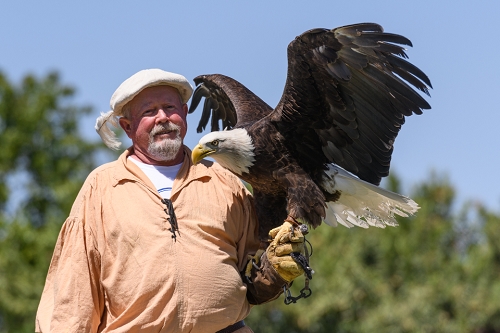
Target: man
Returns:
[154, 243]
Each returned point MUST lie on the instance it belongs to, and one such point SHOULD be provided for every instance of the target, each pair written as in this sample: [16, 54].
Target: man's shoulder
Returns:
[104, 171]
[220, 174]
[213, 168]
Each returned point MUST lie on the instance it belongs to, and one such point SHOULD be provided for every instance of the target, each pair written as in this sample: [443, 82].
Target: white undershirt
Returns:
[162, 177]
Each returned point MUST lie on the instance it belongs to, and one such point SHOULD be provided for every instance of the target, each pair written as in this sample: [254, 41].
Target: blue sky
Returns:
[96, 45]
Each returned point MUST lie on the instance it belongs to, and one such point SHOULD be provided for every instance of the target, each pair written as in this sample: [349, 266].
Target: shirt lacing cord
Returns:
[171, 217]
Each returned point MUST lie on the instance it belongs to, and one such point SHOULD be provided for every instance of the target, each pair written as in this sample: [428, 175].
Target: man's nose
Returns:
[162, 116]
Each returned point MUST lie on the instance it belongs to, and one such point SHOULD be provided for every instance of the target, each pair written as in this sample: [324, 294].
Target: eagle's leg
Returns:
[292, 220]
[305, 200]
[304, 229]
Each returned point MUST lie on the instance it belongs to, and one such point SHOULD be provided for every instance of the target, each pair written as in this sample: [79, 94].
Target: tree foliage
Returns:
[43, 162]
[439, 271]
[436, 272]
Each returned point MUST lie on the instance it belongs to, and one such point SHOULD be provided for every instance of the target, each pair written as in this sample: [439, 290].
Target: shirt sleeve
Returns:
[249, 242]
[72, 299]
[265, 284]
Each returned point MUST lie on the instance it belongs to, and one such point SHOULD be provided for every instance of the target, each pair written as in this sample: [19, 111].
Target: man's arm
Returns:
[274, 268]
[72, 298]
[264, 284]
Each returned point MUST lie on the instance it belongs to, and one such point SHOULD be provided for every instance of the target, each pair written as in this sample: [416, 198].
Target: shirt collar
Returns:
[129, 171]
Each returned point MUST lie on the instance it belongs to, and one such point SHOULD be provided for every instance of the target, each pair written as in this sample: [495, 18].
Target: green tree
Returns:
[43, 162]
[439, 271]
[436, 272]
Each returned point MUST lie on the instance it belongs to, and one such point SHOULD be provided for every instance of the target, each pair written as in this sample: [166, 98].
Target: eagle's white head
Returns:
[232, 149]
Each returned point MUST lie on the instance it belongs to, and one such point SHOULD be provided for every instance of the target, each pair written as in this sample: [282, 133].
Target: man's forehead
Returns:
[156, 94]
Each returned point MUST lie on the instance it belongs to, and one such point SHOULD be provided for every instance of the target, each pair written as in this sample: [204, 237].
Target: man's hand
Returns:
[285, 240]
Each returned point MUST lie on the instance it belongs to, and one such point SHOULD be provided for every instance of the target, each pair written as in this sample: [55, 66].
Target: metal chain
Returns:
[308, 271]
[304, 293]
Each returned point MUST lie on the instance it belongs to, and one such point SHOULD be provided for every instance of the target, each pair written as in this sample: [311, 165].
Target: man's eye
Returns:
[215, 143]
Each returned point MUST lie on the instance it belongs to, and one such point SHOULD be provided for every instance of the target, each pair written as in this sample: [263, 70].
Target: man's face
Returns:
[157, 125]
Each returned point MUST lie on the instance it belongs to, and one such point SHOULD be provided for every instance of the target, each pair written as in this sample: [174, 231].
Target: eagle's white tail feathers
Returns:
[107, 135]
[362, 204]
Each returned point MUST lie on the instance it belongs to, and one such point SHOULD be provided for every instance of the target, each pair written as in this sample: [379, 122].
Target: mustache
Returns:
[165, 128]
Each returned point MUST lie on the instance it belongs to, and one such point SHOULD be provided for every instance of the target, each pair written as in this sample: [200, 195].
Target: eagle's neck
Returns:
[238, 152]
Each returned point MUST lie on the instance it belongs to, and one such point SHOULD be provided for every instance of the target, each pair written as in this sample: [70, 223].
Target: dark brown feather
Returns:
[347, 93]
[231, 102]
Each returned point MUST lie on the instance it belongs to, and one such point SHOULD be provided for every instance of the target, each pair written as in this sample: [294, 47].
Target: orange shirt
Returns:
[116, 267]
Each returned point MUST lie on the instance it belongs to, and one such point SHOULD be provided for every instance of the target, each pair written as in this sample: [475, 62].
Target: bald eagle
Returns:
[322, 152]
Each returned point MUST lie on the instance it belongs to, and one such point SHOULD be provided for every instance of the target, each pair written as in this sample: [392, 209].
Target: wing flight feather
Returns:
[226, 101]
[347, 94]
[351, 87]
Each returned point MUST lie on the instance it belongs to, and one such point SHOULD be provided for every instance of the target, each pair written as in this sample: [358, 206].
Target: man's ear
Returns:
[125, 124]
[185, 108]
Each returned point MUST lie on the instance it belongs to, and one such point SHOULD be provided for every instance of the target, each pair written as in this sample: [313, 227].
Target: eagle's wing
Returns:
[348, 91]
[226, 101]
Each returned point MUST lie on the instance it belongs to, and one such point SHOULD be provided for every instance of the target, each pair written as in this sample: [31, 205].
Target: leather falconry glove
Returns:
[285, 240]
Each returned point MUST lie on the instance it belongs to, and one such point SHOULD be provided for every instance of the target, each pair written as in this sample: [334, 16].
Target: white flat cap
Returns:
[144, 79]
[130, 88]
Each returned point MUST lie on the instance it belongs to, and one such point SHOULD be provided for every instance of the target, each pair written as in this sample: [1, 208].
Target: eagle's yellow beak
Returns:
[199, 153]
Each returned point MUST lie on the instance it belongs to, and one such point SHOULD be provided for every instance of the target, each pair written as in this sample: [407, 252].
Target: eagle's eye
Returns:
[215, 143]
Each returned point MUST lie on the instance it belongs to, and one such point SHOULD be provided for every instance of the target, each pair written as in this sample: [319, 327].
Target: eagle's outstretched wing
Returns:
[348, 91]
[347, 94]
[226, 101]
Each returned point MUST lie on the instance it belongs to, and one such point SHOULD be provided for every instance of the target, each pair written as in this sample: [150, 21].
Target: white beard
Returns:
[167, 149]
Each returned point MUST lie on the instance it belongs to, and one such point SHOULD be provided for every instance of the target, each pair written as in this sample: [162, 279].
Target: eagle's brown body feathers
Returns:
[346, 96]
